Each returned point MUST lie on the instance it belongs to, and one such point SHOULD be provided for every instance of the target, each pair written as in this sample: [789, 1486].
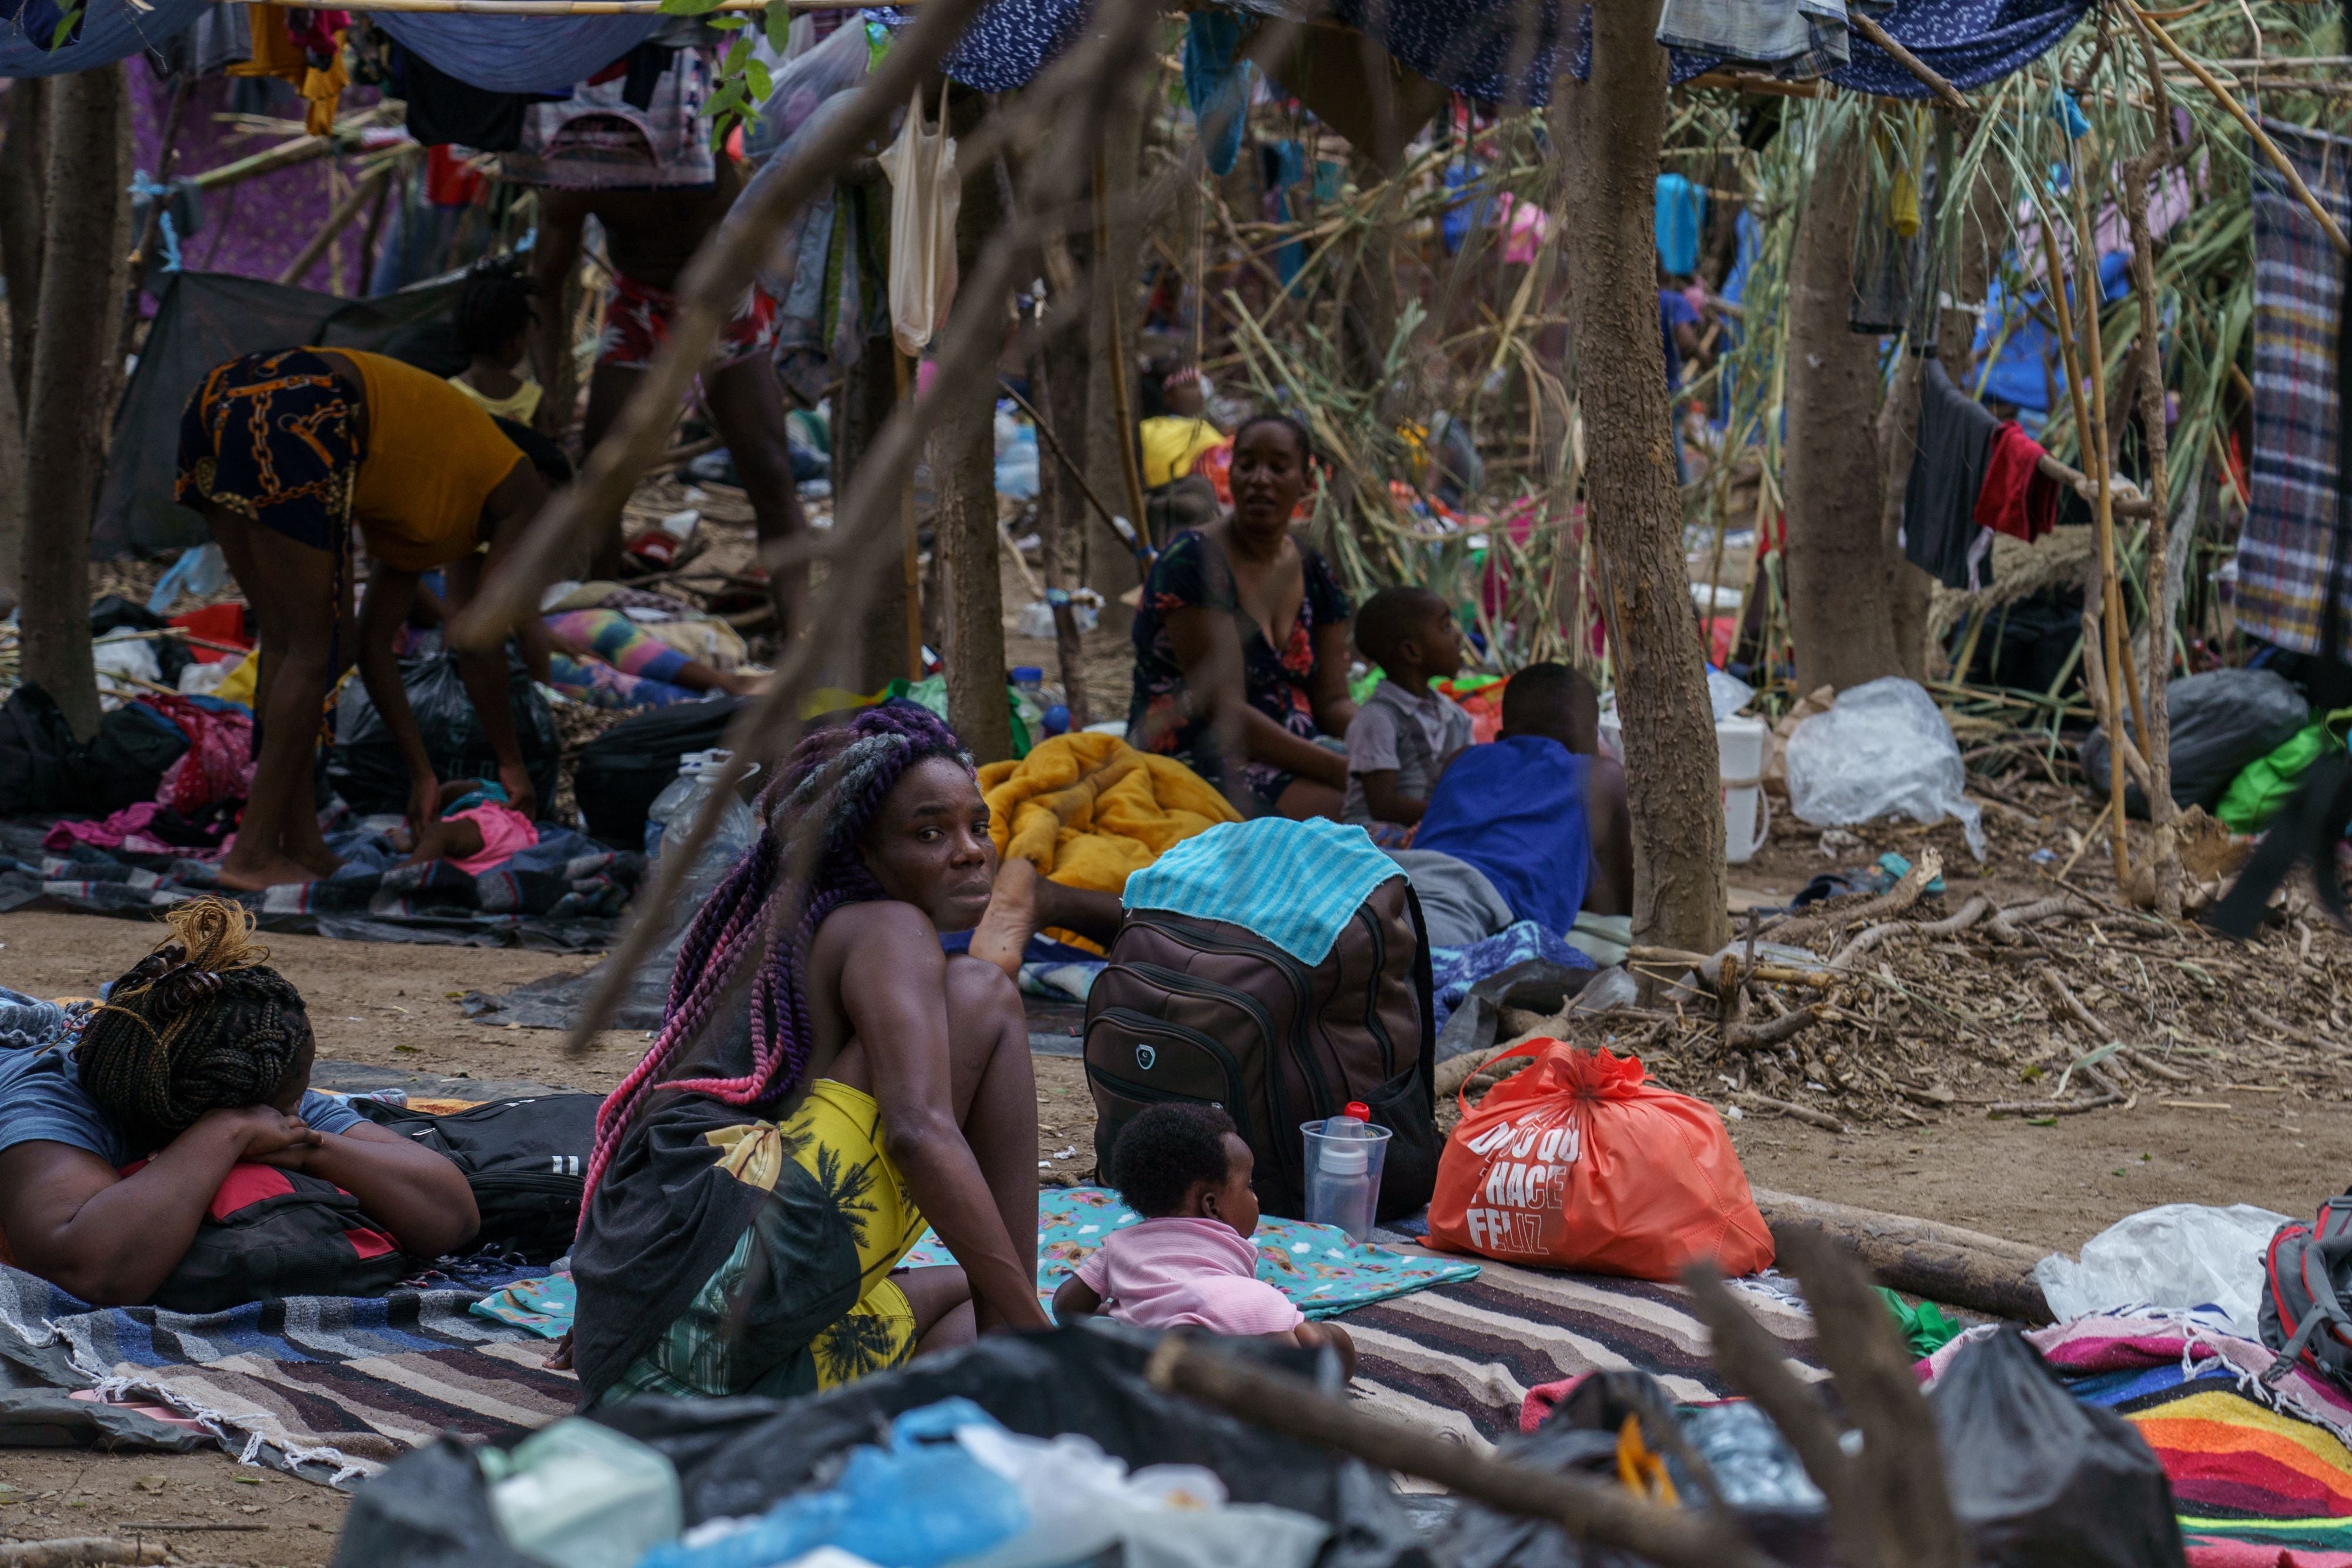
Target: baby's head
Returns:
[1555, 702]
[1185, 1161]
[1408, 633]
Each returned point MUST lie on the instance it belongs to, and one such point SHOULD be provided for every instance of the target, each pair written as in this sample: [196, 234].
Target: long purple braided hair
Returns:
[817, 812]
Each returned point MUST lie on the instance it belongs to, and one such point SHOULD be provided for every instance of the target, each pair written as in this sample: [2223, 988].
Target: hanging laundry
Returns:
[2017, 499]
[598, 141]
[1793, 39]
[1217, 83]
[221, 36]
[1940, 536]
[1681, 214]
[445, 111]
[2291, 531]
[274, 51]
[925, 195]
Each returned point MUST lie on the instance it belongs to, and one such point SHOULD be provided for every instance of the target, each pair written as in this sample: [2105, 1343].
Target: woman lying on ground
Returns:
[1241, 643]
[759, 1176]
[283, 453]
[200, 1059]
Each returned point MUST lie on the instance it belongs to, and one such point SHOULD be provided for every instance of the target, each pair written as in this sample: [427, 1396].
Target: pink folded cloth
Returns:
[1181, 1272]
[506, 833]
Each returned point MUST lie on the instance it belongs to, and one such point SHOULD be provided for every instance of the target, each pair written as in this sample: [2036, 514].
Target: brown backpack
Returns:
[1203, 1010]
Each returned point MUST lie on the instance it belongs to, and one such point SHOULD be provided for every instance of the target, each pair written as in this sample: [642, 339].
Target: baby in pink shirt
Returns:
[1189, 1263]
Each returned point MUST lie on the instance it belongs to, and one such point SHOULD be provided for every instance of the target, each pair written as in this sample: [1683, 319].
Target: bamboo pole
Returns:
[350, 207]
[2279, 159]
[2093, 438]
[2054, 282]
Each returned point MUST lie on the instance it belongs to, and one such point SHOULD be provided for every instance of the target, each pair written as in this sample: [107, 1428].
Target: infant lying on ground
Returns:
[478, 832]
[1189, 1263]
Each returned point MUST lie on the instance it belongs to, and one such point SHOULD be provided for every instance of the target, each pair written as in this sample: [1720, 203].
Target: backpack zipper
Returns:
[1187, 984]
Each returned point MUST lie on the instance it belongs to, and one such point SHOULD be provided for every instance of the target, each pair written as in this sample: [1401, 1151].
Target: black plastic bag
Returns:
[124, 763]
[366, 768]
[2221, 721]
[622, 770]
[2042, 1481]
[738, 1456]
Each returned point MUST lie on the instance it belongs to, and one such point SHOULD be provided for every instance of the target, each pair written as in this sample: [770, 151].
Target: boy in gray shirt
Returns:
[1404, 734]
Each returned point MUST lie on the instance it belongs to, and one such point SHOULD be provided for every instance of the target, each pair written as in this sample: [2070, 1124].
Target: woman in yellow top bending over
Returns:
[282, 453]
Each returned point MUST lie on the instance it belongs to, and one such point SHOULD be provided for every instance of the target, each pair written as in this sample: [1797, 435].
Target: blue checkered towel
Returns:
[1294, 884]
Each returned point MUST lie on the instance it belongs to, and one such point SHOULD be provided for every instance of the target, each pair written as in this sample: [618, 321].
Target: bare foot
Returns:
[271, 873]
[1004, 933]
[321, 863]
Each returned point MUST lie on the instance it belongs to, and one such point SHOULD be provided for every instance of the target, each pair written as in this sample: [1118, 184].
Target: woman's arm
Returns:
[894, 988]
[1210, 651]
[382, 606]
[511, 508]
[405, 1187]
[1327, 688]
[113, 1240]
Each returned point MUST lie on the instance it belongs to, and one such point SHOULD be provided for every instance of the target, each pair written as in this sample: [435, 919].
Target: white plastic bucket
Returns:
[1739, 762]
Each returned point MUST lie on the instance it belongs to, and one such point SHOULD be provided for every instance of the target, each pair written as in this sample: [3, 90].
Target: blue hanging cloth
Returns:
[1217, 85]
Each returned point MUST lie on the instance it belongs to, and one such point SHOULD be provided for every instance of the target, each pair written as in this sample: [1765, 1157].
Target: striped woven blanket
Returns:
[2261, 1473]
[333, 1388]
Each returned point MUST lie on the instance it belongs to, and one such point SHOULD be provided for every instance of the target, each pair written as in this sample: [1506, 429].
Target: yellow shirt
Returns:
[1173, 444]
[520, 407]
[433, 458]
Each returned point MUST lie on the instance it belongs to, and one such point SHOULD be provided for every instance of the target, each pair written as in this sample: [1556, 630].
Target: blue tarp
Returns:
[503, 54]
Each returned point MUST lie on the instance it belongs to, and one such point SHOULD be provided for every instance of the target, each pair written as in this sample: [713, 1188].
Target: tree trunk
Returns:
[1910, 587]
[1053, 528]
[870, 390]
[1838, 588]
[1110, 569]
[84, 266]
[24, 164]
[2164, 858]
[12, 489]
[1614, 124]
[964, 457]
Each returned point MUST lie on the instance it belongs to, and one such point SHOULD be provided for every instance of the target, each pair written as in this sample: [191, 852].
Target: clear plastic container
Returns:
[675, 810]
[580, 1495]
[1344, 1156]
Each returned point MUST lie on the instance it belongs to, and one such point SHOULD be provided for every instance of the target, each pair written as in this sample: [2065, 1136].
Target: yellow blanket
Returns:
[1088, 810]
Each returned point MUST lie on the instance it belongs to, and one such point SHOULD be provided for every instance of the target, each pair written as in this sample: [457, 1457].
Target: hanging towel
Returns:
[925, 194]
[2299, 297]
[2017, 499]
[1294, 884]
[1940, 536]
[1217, 85]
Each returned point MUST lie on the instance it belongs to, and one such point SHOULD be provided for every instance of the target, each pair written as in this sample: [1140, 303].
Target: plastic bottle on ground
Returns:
[1343, 1180]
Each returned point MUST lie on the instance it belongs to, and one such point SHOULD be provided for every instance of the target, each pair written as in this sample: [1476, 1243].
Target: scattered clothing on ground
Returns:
[1089, 810]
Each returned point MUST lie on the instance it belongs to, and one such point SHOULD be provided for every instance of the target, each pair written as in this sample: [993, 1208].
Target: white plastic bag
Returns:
[1882, 747]
[925, 194]
[1728, 694]
[2178, 1254]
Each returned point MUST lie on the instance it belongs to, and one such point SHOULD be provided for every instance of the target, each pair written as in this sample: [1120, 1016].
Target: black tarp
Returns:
[738, 1456]
[201, 319]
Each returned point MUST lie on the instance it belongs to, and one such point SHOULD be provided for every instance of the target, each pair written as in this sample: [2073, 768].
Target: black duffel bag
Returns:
[526, 1160]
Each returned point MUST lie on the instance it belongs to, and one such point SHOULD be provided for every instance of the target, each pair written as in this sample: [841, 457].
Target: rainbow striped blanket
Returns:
[2261, 1474]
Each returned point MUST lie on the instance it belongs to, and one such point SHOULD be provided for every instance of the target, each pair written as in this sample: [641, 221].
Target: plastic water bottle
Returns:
[680, 804]
[1342, 1188]
[1029, 698]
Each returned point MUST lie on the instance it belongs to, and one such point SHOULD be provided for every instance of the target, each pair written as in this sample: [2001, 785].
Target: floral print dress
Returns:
[1193, 574]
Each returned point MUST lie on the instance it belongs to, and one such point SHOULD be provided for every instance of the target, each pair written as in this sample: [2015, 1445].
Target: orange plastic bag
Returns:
[1578, 1161]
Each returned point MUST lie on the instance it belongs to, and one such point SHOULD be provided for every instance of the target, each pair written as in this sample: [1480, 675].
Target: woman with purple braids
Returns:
[813, 1100]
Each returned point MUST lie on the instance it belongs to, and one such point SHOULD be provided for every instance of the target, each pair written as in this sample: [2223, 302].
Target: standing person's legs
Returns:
[291, 587]
[609, 390]
[747, 405]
